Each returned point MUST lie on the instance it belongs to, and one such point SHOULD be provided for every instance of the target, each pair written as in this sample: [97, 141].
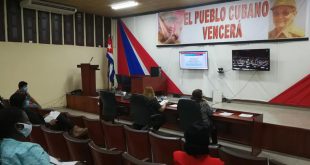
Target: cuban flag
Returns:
[111, 71]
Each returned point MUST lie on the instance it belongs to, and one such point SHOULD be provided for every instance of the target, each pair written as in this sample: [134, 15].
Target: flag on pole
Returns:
[111, 71]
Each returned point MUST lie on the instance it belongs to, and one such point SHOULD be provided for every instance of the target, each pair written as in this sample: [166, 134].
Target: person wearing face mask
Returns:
[284, 13]
[30, 102]
[61, 123]
[15, 126]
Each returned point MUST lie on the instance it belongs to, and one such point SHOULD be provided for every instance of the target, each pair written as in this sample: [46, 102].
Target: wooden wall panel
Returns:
[2, 30]
[79, 29]
[107, 29]
[44, 27]
[14, 28]
[289, 140]
[30, 28]
[56, 20]
[99, 30]
[68, 30]
[89, 23]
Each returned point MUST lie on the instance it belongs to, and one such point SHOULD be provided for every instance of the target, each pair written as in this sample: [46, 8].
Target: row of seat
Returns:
[141, 144]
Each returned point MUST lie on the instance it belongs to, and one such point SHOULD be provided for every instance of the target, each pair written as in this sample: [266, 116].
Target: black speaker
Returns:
[155, 71]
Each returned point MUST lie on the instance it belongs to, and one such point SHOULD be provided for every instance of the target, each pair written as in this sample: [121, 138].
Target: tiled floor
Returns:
[274, 114]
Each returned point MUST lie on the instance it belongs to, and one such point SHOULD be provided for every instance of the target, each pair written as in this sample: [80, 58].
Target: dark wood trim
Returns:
[2, 28]
[238, 42]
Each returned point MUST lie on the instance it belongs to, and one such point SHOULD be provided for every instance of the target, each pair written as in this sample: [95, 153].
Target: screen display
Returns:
[251, 59]
[194, 60]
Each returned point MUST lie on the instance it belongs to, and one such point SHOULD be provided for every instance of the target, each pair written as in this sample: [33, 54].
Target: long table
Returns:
[244, 130]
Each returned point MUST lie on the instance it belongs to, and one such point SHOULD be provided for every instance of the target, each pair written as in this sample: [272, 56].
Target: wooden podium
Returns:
[88, 78]
[139, 83]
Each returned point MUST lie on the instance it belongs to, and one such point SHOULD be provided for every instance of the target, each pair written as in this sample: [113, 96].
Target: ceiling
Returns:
[102, 7]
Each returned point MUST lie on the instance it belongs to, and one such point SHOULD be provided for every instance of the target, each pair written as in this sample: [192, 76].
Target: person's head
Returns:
[23, 86]
[18, 100]
[149, 92]
[14, 123]
[197, 139]
[284, 12]
[197, 94]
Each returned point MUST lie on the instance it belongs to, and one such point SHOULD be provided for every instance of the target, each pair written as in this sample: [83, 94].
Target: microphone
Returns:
[91, 59]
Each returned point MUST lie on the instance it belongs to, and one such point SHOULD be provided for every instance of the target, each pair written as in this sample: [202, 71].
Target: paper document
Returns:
[173, 105]
[163, 102]
[225, 114]
[51, 116]
[57, 162]
[245, 115]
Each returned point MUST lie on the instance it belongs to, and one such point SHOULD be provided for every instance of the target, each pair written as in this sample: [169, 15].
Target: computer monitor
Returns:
[124, 82]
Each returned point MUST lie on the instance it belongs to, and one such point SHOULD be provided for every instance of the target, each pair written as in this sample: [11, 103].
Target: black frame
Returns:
[56, 20]
[30, 28]
[44, 27]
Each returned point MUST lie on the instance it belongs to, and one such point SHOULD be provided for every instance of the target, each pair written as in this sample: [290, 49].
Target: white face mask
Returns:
[26, 130]
[25, 89]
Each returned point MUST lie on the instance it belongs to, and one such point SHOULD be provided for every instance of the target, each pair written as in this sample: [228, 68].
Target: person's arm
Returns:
[36, 155]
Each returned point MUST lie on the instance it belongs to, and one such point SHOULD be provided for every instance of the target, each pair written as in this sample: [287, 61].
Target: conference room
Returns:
[93, 62]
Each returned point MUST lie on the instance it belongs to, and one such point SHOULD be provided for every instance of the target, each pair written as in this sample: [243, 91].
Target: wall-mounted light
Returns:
[122, 5]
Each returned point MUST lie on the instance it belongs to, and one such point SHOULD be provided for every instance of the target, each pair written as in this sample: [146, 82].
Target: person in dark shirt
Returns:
[206, 112]
[157, 118]
[62, 122]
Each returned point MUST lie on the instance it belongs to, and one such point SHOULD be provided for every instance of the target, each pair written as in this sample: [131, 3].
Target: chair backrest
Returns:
[37, 136]
[130, 160]
[109, 105]
[77, 120]
[138, 143]
[105, 157]
[163, 147]
[78, 149]
[56, 144]
[95, 131]
[231, 157]
[139, 111]
[114, 136]
[189, 112]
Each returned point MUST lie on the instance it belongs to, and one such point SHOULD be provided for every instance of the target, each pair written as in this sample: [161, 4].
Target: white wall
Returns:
[50, 70]
[290, 62]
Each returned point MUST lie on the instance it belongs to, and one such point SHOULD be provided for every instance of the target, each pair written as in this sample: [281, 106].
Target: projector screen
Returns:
[194, 60]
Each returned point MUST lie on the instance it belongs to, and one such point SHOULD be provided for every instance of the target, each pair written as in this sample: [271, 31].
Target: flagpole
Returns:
[108, 70]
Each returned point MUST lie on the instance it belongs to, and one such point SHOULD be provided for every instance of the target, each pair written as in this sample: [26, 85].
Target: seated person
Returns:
[61, 123]
[157, 118]
[196, 147]
[206, 112]
[30, 102]
[15, 125]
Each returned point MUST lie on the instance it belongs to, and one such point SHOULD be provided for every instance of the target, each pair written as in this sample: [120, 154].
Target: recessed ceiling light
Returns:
[122, 5]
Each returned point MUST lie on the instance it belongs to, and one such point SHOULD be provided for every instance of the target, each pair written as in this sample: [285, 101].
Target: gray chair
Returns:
[189, 112]
[139, 112]
[110, 110]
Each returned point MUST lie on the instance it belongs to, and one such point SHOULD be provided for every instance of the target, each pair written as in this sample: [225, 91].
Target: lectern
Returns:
[88, 78]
